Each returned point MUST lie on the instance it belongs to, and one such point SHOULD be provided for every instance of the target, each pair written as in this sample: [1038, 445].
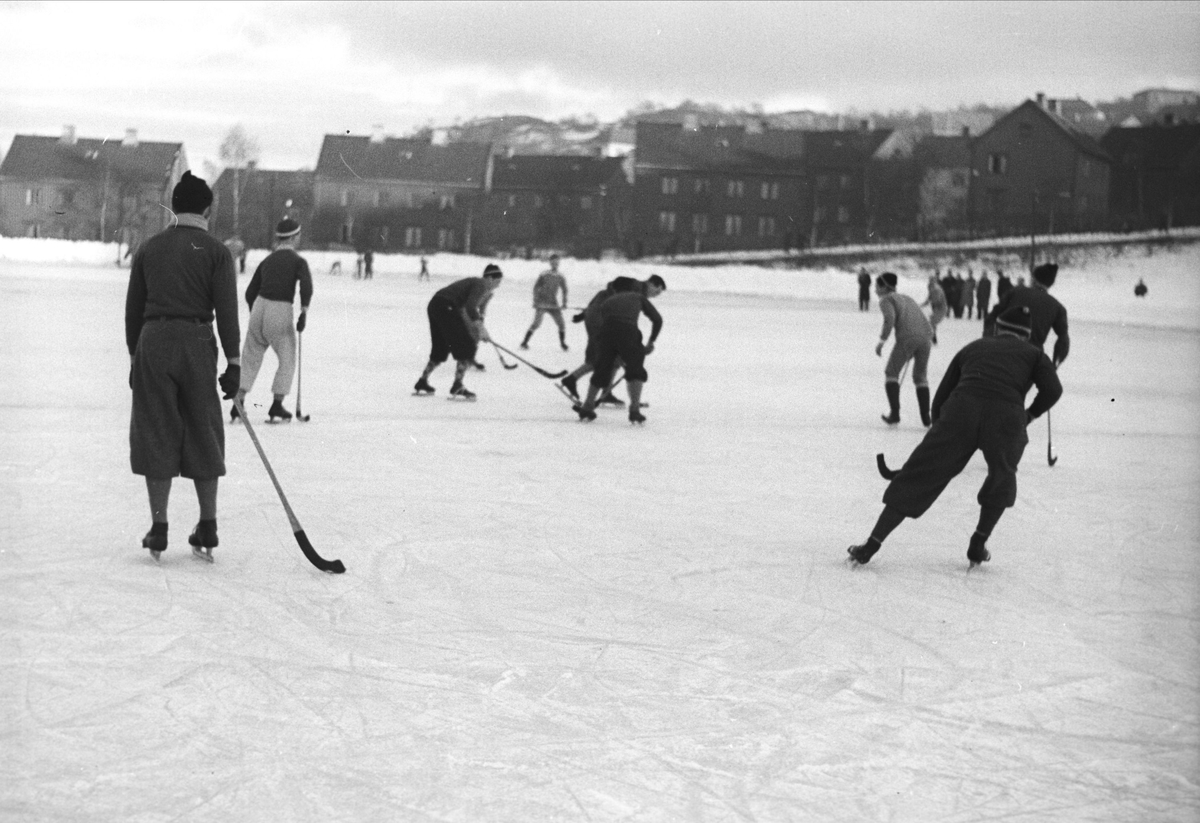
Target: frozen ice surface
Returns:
[549, 620]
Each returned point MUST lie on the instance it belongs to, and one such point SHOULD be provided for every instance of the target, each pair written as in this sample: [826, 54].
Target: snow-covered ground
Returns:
[548, 620]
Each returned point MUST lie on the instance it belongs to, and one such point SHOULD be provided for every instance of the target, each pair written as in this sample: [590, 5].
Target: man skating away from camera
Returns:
[1046, 313]
[179, 280]
[456, 327]
[651, 287]
[545, 301]
[620, 337]
[270, 295]
[979, 405]
[914, 341]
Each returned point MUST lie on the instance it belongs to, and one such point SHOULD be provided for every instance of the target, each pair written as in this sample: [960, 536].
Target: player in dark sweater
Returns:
[1045, 312]
[456, 327]
[979, 405]
[179, 280]
[619, 337]
[270, 295]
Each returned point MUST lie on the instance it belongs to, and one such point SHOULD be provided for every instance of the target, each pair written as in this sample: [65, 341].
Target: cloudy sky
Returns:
[290, 73]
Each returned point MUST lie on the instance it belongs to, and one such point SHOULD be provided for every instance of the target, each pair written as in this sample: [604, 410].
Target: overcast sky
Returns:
[291, 73]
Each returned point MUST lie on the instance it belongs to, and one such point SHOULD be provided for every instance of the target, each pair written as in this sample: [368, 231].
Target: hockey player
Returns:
[456, 327]
[619, 337]
[652, 287]
[270, 295]
[179, 280]
[545, 301]
[937, 304]
[979, 405]
[914, 339]
[1046, 313]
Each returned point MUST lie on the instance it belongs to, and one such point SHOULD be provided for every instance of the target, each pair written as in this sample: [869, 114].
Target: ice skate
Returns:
[977, 551]
[203, 540]
[610, 399]
[635, 416]
[459, 390]
[891, 419]
[569, 383]
[155, 541]
[422, 387]
[278, 411]
[585, 414]
[861, 555]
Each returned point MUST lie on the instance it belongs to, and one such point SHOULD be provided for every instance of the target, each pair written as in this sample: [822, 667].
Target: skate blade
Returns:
[202, 554]
[155, 554]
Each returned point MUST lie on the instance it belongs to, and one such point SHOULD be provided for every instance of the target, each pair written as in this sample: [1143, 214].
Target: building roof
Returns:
[33, 157]
[350, 157]
[1082, 142]
[841, 149]
[555, 172]
[670, 145]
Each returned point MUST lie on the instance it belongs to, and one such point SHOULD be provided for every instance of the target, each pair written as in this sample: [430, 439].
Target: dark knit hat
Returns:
[1046, 273]
[655, 280]
[287, 227]
[191, 195]
[492, 270]
[1015, 320]
[887, 279]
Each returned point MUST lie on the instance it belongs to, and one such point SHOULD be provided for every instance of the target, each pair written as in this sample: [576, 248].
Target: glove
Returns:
[879, 349]
[648, 348]
[578, 318]
[301, 321]
[230, 381]
[935, 338]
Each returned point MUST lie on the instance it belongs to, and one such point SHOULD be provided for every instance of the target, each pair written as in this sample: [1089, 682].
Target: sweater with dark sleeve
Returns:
[1000, 369]
[470, 295]
[625, 308]
[184, 272]
[278, 275]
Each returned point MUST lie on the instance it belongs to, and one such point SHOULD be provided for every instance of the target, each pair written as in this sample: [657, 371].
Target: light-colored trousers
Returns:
[270, 327]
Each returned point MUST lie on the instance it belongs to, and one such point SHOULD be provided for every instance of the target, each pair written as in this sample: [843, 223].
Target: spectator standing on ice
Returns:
[270, 295]
[1140, 289]
[864, 290]
[456, 327]
[936, 302]
[620, 337]
[1003, 284]
[545, 301]
[969, 294]
[237, 248]
[591, 318]
[983, 294]
[979, 405]
[423, 274]
[914, 340]
[179, 280]
[1046, 313]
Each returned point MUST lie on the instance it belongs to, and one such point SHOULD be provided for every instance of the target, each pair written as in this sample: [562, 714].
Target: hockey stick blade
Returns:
[884, 471]
[330, 566]
[547, 374]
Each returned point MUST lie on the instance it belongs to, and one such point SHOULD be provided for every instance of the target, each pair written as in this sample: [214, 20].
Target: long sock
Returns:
[989, 516]
[888, 520]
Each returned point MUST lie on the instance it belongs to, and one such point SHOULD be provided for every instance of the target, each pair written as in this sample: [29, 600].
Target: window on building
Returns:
[68, 198]
[735, 188]
[383, 235]
[766, 227]
[445, 239]
[585, 202]
[376, 199]
[670, 185]
[537, 201]
[666, 221]
[35, 230]
[997, 163]
[347, 232]
[846, 181]
[843, 214]
[347, 197]
[33, 197]
[819, 214]
[446, 201]
[412, 237]
[701, 185]
[699, 224]
[733, 225]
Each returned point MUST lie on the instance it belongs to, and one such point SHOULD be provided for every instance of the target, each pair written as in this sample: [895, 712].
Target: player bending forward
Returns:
[980, 404]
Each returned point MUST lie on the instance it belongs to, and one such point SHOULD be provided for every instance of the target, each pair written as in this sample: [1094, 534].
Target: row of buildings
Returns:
[681, 187]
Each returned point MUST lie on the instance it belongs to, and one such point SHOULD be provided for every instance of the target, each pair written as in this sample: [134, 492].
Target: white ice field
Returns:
[545, 620]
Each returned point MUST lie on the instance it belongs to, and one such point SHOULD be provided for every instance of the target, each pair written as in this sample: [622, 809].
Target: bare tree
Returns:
[239, 152]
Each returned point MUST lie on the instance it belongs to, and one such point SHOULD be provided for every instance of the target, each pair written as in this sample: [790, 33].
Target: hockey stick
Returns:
[542, 372]
[886, 473]
[331, 566]
[1051, 457]
[303, 418]
[503, 362]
